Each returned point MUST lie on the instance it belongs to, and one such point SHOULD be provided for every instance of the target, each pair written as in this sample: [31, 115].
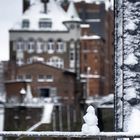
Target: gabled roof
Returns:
[72, 12]
[55, 14]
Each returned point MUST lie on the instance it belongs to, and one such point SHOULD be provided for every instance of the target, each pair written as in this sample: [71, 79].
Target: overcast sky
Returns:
[10, 11]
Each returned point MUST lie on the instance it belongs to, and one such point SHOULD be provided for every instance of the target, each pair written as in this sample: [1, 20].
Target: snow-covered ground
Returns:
[46, 116]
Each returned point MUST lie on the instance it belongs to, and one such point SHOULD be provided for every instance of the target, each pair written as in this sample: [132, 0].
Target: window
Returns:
[31, 46]
[40, 47]
[71, 56]
[50, 46]
[20, 45]
[25, 23]
[53, 92]
[41, 78]
[60, 46]
[45, 23]
[49, 78]
[72, 26]
[56, 62]
[45, 92]
[19, 77]
[72, 51]
[28, 77]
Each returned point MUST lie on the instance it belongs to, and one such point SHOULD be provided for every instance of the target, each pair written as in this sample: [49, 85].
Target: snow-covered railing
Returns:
[59, 134]
[89, 130]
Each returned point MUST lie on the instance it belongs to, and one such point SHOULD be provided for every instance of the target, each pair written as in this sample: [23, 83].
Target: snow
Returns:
[34, 14]
[130, 25]
[60, 134]
[28, 96]
[84, 25]
[127, 65]
[72, 12]
[131, 59]
[23, 91]
[46, 116]
[86, 37]
[131, 93]
[89, 76]
[108, 4]
[133, 121]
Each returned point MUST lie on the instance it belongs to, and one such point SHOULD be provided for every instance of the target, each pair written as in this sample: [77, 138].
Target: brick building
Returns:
[92, 70]
[45, 81]
[48, 44]
[59, 55]
[96, 31]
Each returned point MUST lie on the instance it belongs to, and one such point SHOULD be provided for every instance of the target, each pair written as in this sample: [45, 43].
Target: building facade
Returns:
[48, 44]
[58, 57]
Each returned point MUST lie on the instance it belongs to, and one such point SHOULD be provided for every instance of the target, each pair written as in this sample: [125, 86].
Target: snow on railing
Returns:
[59, 134]
[89, 130]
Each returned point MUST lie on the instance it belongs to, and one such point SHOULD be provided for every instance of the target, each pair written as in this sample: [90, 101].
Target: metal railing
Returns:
[58, 134]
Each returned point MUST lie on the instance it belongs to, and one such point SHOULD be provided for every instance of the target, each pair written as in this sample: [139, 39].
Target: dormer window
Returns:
[25, 23]
[45, 24]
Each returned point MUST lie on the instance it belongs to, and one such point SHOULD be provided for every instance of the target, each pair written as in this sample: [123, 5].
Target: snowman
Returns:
[91, 122]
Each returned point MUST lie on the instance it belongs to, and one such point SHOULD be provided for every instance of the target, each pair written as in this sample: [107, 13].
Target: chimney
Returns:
[26, 5]
[45, 5]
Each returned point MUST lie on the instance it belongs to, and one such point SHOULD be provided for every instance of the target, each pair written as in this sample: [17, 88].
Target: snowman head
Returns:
[90, 109]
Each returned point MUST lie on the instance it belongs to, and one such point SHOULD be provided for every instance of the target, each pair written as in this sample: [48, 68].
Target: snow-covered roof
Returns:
[108, 3]
[87, 37]
[72, 12]
[55, 16]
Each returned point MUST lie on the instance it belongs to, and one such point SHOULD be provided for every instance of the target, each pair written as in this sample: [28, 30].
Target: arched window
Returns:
[31, 46]
[39, 46]
[56, 62]
[60, 46]
[50, 46]
[20, 44]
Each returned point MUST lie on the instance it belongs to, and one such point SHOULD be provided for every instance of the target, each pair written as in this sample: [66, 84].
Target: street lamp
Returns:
[22, 93]
[88, 76]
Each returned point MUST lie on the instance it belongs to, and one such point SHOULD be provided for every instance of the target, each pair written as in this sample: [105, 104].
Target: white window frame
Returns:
[30, 46]
[60, 47]
[40, 47]
[19, 45]
[50, 47]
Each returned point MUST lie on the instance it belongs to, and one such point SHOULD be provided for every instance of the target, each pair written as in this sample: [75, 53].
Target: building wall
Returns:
[61, 82]
[67, 38]
[92, 56]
